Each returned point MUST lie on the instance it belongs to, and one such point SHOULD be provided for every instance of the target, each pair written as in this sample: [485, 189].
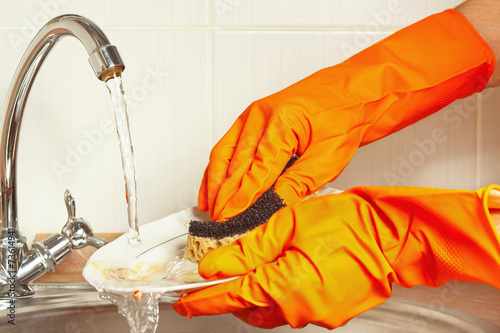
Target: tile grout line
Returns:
[211, 72]
[211, 27]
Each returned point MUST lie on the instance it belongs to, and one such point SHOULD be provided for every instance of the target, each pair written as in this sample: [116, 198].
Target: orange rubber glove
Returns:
[325, 117]
[331, 258]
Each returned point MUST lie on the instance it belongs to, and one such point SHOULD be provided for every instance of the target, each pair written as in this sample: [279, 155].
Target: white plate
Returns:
[161, 240]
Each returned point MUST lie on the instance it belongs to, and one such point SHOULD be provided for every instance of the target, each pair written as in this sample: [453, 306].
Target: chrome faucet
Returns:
[18, 266]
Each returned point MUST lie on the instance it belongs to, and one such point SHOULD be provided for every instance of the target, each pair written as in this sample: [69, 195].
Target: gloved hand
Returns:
[331, 258]
[325, 117]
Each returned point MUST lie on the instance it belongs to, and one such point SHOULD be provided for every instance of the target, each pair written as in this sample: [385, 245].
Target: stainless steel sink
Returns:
[78, 309]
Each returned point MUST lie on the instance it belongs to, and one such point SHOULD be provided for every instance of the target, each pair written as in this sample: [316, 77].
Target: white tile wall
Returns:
[192, 68]
[360, 15]
[263, 62]
[488, 155]
[439, 151]
[111, 13]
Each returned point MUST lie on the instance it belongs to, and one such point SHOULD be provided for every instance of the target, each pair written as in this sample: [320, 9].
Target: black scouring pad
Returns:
[255, 215]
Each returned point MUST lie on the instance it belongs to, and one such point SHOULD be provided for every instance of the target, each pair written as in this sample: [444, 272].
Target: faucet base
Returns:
[12, 250]
[13, 291]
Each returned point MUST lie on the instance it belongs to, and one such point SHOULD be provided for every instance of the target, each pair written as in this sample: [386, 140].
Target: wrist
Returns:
[484, 17]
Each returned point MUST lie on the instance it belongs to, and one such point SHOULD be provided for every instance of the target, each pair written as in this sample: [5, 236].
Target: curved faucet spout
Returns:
[104, 60]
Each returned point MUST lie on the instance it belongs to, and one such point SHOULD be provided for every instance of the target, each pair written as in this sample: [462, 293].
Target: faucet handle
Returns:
[70, 204]
[45, 255]
[78, 230]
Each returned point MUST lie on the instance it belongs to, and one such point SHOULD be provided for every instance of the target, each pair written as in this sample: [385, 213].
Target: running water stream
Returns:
[141, 313]
[127, 151]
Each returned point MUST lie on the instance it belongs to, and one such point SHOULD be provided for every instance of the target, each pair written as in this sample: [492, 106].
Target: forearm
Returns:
[495, 217]
[494, 207]
[484, 15]
[496, 220]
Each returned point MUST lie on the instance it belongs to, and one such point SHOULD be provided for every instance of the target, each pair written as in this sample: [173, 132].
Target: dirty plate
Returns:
[124, 267]
[147, 266]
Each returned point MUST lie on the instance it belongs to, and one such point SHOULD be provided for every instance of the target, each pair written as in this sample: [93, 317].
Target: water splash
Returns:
[127, 151]
[142, 313]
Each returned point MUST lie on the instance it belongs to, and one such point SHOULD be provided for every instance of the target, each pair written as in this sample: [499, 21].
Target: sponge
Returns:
[206, 235]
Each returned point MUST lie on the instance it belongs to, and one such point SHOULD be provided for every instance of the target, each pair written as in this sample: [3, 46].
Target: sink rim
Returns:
[65, 296]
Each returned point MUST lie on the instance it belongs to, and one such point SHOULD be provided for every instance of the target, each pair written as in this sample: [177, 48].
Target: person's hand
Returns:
[330, 258]
[328, 115]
